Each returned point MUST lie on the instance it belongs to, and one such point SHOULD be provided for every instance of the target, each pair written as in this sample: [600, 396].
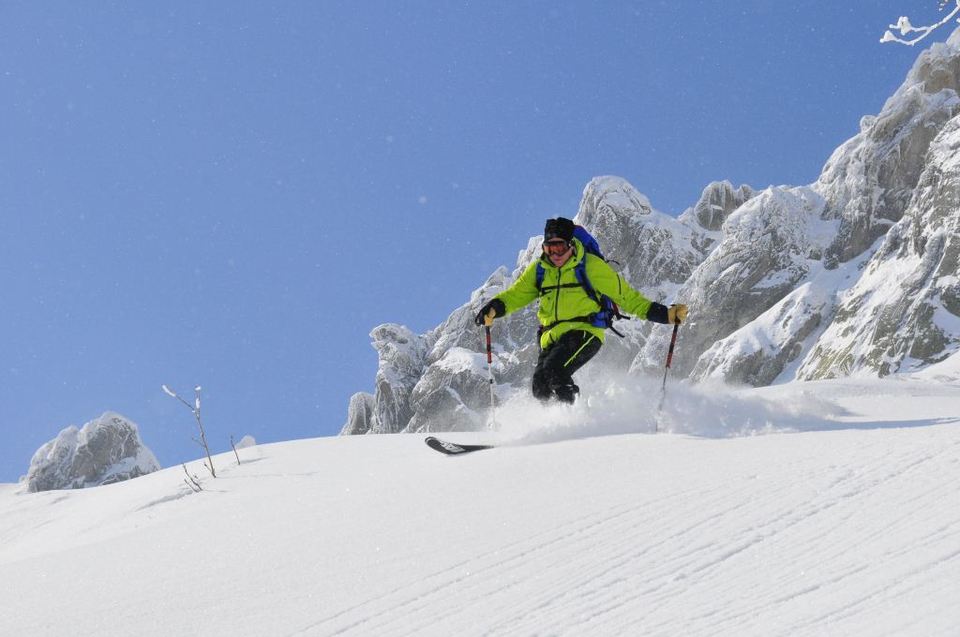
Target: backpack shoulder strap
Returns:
[581, 271]
[589, 242]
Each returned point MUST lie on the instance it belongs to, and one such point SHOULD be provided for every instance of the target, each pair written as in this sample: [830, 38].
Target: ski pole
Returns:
[487, 322]
[666, 370]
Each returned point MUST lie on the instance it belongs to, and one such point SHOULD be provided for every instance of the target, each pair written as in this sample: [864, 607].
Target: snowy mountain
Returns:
[855, 274]
[107, 449]
[842, 519]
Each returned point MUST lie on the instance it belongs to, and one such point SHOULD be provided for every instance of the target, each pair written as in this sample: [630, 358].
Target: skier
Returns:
[570, 334]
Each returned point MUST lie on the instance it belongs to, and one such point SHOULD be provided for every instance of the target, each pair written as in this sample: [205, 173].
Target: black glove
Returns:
[670, 315]
[492, 309]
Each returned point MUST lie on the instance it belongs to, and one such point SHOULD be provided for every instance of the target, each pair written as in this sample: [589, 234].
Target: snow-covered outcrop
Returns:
[869, 180]
[856, 273]
[402, 360]
[867, 187]
[904, 312]
[718, 202]
[761, 258]
[106, 450]
[361, 415]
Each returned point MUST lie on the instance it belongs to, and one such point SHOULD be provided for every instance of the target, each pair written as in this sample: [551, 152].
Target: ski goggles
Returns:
[556, 246]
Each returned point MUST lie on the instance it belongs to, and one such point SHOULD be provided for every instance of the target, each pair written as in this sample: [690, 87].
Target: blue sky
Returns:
[233, 194]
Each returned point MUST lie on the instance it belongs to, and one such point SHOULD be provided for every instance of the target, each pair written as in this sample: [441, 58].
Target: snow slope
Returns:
[843, 519]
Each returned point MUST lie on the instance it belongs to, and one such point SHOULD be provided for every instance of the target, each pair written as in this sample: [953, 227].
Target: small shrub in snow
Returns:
[195, 409]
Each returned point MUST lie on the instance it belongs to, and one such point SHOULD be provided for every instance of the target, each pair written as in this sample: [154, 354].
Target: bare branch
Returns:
[905, 27]
[195, 409]
[192, 481]
[234, 445]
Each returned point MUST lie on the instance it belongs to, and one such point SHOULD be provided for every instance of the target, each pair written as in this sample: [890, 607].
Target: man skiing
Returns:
[570, 334]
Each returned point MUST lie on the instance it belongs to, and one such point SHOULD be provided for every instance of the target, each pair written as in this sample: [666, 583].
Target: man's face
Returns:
[558, 251]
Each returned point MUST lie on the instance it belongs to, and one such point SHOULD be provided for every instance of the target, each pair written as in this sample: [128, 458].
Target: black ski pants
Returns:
[553, 376]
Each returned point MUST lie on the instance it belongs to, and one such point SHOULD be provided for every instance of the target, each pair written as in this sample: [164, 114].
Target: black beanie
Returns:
[559, 228]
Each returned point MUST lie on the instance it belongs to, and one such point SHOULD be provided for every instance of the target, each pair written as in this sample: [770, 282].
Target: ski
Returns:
[452, 448]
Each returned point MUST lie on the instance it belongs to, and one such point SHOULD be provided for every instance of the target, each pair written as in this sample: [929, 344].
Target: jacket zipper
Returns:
[556, 303]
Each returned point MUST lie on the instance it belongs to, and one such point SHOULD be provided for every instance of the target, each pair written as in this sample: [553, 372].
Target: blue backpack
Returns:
[609, 312]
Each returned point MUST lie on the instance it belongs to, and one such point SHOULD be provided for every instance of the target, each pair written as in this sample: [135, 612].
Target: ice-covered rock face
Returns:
[104, 451]
[615, 213]
[718, 201]
[655, 249]
[823, 326]
[904, 311]
[402, 360]
[453, 394]
[361, 418]
[762, 257]
[869, 180]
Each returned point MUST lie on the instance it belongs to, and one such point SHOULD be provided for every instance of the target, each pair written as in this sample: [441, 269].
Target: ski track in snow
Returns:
[850, 531]
[608, 578]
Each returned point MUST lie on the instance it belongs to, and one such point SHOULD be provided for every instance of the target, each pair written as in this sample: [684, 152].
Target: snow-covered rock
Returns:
[361, 415]
[869, 181]
[246, 442]
[763, 255]
[402, 360]
[904, 312]
[446, 397]
[718, 201]
[106, 450]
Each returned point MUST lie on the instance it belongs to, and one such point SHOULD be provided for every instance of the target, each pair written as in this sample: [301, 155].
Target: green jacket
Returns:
[564, 298]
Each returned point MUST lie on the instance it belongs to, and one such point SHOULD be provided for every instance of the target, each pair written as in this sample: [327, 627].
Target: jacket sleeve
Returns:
[606, 281]
[523, 292]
